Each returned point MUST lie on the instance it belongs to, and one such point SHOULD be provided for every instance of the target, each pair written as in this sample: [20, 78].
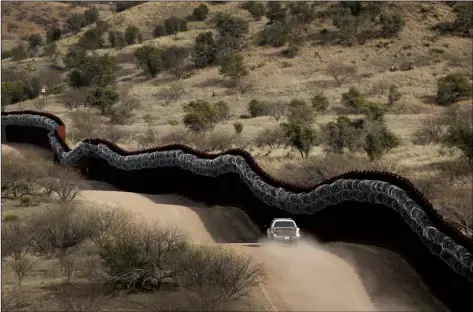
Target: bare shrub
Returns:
[430, 132]
[68, 266]
[218, 141]
[104, 222]
[22, 267]
[276, 109]
[115, 134]
[174, 136]
[142, 257]
[272, 137]
[62, 181]
[341, 72]
[79, 298]
[13, 300]
[15, 239]
[148, 139]
[74, 98]
[218, 276]
[59, 227]
[171, 94]
[148, 119]
[85, 125]
[19, 174]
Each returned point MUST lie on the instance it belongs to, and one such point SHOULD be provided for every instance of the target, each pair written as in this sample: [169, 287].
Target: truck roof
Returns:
[283, 219]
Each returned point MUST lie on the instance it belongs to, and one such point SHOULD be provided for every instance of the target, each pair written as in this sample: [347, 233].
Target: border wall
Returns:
[378, 208]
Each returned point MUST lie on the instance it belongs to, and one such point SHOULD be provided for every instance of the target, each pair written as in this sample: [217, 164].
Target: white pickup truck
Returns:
[284, 230]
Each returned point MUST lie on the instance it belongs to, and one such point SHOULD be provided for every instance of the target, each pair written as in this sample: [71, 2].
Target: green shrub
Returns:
[53, 34]
[391, 24]
[223, 110]
[205, 50]
[91, 70]
[452, 88]
[276, 11]
[257, 9]
[291, 51]
[19, 53]
[233, 66]
[257, 108]
[173, 25]
[320, 102]
[276, 34]
[159, 31]
[92, 39]
[103, 99]
[131, 34]
[34, 41]
[379, 141]
[10, 218]
[150, 59]
[75, 22]
[342, 134]
[91, 16]
[116, 39]
[201, 12]
[238, 127]
[200, 116]
[301, 136]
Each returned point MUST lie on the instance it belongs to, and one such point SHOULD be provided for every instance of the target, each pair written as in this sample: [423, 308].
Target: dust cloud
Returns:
[310, 276]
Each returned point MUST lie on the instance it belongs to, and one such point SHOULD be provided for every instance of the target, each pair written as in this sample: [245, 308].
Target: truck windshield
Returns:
[286, 224]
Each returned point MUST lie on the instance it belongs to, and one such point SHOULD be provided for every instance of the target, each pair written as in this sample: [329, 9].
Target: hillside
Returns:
[158, 102]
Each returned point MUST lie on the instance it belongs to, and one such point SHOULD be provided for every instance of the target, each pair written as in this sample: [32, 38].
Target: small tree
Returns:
[116, 39]
[391, 24]
[22, 267]
[353, 99]
[171, 94]
[257, 108]
[300, 112]
[131, 34]
[92, 39]
[233, 66]
[340, 72]
[150, 59]
[223, 110]
[159, 31]
[273, 137]
[347, 25]
[232, 31]
[105, 222]
[460, 135]
[53, 34]
[173, 25]
[200, 116]
[276, 109]
[393, 96]
[320, 103]
[173, 60]
[91, 16]
[276, 11]
[201, 12]
[452, 88]
[34, 41]
[300, 136]
[238, 127]
[103, 99]
[205, 50]
[19, 53]
[379, 141]
[276, 34]
[341, 135]
[257, 10]
[75, 22]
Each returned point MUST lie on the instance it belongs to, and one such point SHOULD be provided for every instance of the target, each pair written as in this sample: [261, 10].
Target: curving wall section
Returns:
[377, 208]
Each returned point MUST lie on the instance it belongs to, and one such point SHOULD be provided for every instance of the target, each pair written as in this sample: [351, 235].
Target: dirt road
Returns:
[307, 277]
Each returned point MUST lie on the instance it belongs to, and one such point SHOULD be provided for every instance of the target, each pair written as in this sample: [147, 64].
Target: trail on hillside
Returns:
[306, 277]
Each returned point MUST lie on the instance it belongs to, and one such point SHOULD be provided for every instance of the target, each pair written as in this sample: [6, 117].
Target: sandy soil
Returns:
[307, 277]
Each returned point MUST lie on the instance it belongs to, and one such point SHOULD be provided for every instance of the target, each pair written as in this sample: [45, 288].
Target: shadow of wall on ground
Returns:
[349, 222]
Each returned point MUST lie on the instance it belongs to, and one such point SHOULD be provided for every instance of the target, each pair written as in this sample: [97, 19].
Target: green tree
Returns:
[91, 16]
[257, 9]
[391, 24]
[205, 50]
[75, 22]
[238, 127]
[276, 34]
[159, 31]
[116, 39]
[92, 39]
[460, 135]
[233, 66]
[257, 108]
[353, 98]
[320, 102]
[347, 25]
[301, 136]
[53, 34]
[150, 59]
[103, 99]
[92, 70]
[173, 25]
[34, 41]
[173, 60]
[342, 134]
[223, 110]
[131, 34]
[201, 12]
[200, 116]
[452, 88]
[232, 30]
[379, 141]
[13, 92]
[276, 11]
[300, 112]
